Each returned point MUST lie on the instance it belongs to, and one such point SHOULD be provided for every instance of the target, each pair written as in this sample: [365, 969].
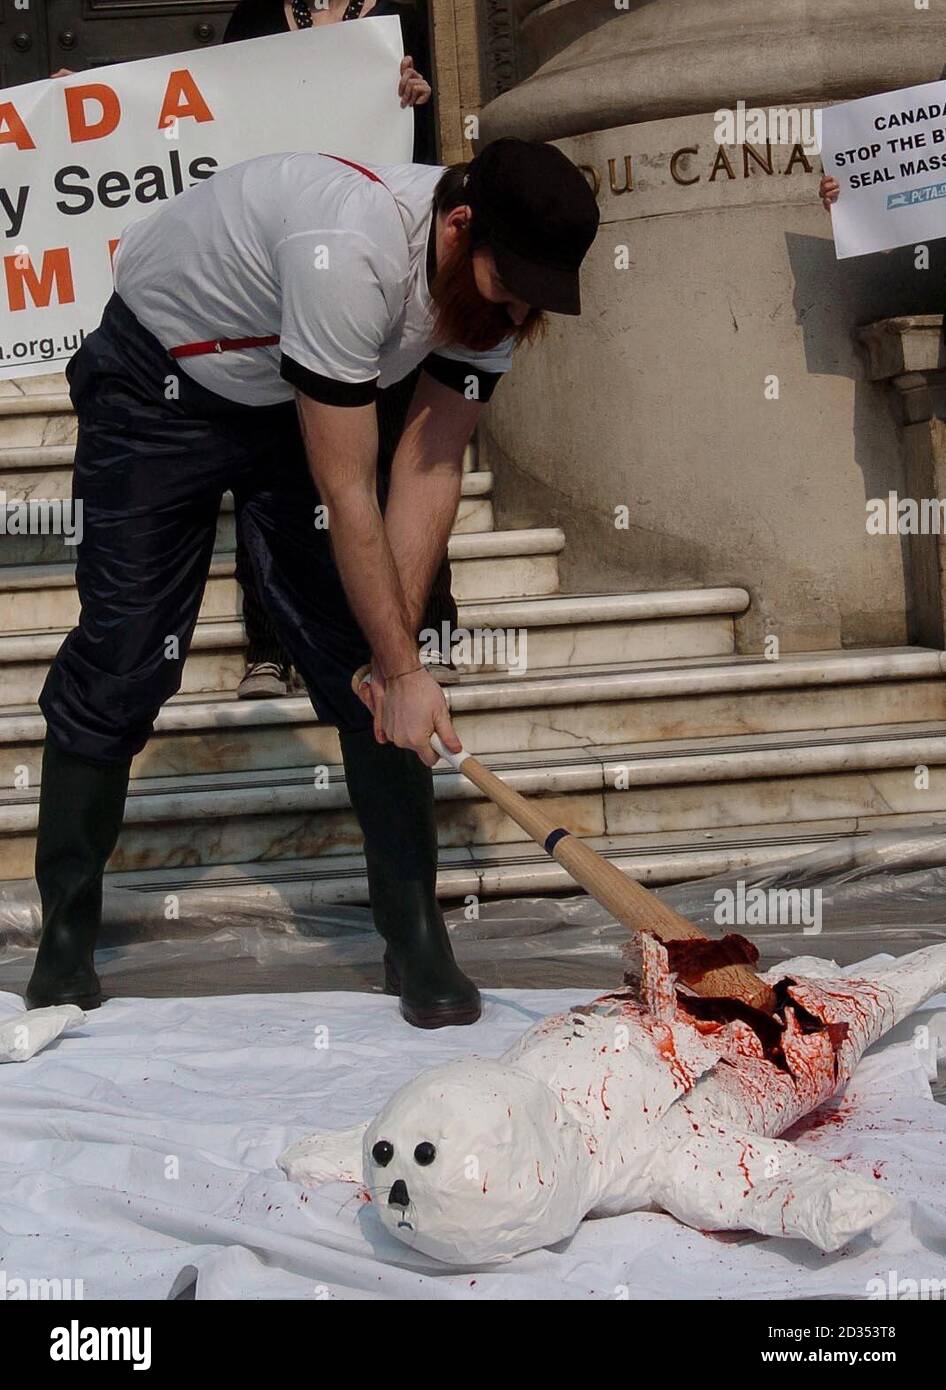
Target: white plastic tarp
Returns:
[140, 1147]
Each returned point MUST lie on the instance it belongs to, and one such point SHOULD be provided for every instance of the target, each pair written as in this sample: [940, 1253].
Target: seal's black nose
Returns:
[398, 1196]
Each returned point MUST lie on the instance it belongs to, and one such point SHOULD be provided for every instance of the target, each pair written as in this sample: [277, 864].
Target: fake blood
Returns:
[693, 957]
[667, 1049]
[781, 1065]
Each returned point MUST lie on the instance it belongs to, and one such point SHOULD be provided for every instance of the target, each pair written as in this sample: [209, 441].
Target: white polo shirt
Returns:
[331, 258]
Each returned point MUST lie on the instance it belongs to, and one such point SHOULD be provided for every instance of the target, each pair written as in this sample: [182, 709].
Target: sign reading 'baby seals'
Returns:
[82, 157]
[888, 153]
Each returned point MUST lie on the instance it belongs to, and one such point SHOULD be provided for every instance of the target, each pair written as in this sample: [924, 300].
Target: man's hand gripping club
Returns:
[387, 563]
[408, 710]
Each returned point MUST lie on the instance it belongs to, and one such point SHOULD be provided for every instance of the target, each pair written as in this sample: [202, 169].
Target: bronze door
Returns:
[37, 37]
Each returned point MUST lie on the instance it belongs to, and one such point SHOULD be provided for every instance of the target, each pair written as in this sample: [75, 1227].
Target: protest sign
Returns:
[888, 153]
[82, 157]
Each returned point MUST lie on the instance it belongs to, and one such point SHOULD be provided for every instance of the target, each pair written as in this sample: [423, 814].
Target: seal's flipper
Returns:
[913, 979]
[332, 1157]
[717, 1179]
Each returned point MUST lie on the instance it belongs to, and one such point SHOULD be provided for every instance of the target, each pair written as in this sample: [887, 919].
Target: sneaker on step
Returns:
[263, 680]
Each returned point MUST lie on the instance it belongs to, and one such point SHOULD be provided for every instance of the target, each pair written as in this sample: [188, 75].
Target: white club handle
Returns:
[363, 675]
[455, 760]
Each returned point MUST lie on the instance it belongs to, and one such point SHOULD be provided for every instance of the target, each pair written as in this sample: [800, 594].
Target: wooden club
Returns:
[626, 899]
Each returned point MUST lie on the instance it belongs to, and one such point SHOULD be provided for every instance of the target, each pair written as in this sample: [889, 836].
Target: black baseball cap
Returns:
[536, 212]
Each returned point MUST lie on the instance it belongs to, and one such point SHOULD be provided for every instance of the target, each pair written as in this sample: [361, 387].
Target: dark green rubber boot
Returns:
[392, 793]
[81, 805]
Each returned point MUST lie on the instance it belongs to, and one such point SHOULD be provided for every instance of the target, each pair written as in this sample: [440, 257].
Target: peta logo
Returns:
[929, 193]
[76, 1343]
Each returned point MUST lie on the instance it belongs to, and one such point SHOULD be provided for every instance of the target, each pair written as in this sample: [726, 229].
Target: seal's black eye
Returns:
[382, 1153]
[425, 1153]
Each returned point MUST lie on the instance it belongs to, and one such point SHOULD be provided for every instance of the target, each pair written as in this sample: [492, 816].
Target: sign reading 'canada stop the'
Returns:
[888, 153]
[82, 157]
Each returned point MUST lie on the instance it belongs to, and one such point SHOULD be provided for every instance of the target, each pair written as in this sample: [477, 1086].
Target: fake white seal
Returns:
[642, 1098]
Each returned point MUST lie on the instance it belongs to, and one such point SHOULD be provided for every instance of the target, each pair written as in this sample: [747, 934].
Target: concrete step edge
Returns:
[555, 610]
[469, 545]
[517, 866]
[49, 457]
[198, 796]
[45, 403]
[580, 685]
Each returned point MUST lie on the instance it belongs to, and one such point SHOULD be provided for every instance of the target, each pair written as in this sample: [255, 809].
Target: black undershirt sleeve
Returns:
[456, 375]
[323, 388]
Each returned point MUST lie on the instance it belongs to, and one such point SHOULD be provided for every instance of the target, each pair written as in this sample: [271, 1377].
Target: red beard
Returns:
[462, 317]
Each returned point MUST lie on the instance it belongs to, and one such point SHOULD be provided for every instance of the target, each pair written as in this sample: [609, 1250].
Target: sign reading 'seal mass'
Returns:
[888, 153]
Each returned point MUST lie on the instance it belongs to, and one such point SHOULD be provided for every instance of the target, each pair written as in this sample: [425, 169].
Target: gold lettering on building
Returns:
[721, 162]
[748, 152]
[628, 178]
[678, 155]
[798, 156]
[683, 166]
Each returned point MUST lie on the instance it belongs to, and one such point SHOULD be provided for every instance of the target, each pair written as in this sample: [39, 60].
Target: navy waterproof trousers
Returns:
[155, 453]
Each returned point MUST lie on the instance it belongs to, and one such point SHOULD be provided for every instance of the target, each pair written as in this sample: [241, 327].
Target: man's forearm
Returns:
[371, 579]
[426, 480]
[419, 515]
[342, 448]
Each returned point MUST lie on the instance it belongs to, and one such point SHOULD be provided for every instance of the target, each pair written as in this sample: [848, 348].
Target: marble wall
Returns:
[713, 387]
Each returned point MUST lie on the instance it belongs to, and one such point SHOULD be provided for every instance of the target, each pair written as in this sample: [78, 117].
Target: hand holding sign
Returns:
[828, 191]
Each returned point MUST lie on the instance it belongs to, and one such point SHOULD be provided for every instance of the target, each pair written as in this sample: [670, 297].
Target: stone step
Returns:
[696, 784]
[54, 383]
[21, 478]
[54, 460]
[203, 895]
[568, 708]
[38, 413]
[45, 470]
[588, 629]
[485, 564]
[37, 470]
[635, 789]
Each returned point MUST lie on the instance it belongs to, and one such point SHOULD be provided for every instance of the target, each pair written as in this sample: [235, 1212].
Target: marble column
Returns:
[907, 354]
